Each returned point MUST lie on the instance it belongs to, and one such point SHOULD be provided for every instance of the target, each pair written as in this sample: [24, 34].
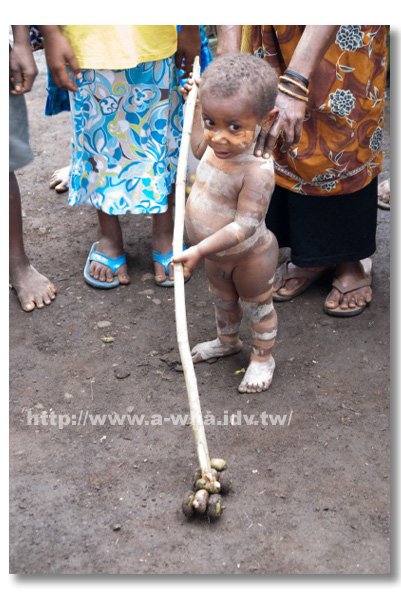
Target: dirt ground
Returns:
[310, 496]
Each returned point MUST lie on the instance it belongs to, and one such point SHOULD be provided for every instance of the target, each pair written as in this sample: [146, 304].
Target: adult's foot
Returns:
[258, 377]
[350, 276]
[383, 193]
[215, 349]
[101, 272]
[59, 181]
[290, 280]
[110, 244]
[33, 289]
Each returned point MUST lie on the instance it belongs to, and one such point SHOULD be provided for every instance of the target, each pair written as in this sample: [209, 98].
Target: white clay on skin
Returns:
[258, 376]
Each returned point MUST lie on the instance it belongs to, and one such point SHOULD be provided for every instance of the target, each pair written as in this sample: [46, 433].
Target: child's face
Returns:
[230, 126]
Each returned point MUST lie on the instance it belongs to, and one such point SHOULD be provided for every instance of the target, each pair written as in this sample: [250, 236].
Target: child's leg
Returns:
[110, 244]
[254, 282]
[33, 289]
[228, 314]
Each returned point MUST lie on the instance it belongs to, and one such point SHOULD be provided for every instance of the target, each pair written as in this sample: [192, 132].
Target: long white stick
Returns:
[179, 292]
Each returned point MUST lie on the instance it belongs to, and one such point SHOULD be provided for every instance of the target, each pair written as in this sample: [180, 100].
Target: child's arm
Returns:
[198, 142]
[253, 201]
[59, 53]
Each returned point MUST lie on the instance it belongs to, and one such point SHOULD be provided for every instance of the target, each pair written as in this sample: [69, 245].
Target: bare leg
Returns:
[33, 289]
[259, 373]
[162, 238]
[110, 244]
[254, 282]
[228, 314]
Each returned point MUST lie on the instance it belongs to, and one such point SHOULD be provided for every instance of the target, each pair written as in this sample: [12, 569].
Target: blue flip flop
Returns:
[113, 263]
[165, 260]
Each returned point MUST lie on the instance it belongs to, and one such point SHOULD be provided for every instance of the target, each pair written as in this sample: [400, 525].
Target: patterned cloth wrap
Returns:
[340, 147]
[58, 100]
[36, 38]
[127, 128]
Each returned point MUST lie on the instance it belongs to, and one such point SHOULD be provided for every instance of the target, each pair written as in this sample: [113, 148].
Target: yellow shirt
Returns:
[120, 46]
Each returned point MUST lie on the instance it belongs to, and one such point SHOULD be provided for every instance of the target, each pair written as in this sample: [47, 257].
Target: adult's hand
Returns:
[289, 122]
[310, 50]
[188, 46]
[58, 54]
[23, 69]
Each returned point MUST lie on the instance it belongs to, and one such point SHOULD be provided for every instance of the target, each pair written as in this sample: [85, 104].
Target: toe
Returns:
[333, 299]
[368, 296]
[39, 301]
[160, 273]
[344, 303]
[360, 301]
[122, 275]
[27, 305]
[351, 302]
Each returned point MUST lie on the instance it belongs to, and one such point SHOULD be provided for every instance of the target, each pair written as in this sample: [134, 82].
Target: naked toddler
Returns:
[226, 209]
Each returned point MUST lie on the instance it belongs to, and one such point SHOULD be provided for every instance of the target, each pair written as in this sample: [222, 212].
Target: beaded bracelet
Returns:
[298, 76]
[296, 83]
[292, 94]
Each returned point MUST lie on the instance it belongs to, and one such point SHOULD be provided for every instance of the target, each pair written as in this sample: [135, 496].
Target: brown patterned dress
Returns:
[340, 147]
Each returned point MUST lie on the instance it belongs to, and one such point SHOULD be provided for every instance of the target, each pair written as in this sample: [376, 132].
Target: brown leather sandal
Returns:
[344, 289]
[298, 273]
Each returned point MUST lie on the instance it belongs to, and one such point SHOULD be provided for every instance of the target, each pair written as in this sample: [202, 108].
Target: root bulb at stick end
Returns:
[200, 502]
[214, 506]
[187, 503]
[218, 463]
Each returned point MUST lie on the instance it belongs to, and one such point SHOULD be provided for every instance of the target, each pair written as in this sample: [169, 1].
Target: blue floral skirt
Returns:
[126, 132]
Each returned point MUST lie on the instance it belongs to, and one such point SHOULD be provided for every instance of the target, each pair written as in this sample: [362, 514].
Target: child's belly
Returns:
[204, 215]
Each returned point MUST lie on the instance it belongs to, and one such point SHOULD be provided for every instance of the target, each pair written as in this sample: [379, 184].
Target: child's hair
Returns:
[229, 74]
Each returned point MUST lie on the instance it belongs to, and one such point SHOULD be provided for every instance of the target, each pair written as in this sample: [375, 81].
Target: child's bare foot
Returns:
[215, 349]
[258, 377]
[60, 179]
[33, 289]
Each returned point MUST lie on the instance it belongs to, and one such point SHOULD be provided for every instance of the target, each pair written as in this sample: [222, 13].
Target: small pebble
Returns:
[116, 527]
[121, 373]
[103, 324]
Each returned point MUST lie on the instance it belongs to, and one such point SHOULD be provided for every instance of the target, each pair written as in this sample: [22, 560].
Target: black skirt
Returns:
[325, 230]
